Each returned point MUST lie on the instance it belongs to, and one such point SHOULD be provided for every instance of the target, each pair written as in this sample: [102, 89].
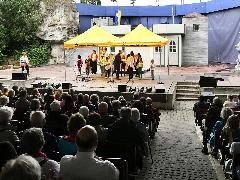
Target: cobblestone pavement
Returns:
[176, 149]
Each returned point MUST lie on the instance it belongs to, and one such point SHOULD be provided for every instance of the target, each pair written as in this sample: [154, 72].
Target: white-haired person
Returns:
[141, 129]
[56, 122]
[6, 132]
[230, 102]
[32, 142]
[4, 100]
[23, 167]
[66, 143]
[106, 119]
[37, 120]
[84, 111]
[85, 165]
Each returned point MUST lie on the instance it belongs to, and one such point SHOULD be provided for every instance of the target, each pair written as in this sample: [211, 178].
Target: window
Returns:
[196, 27]
[172, 47]
[112, 49]
[158, 49]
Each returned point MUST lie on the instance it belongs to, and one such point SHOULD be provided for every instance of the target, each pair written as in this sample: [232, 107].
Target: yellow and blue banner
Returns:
[118, 17]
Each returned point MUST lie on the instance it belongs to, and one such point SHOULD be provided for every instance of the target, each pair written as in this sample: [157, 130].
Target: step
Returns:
[187, 86]
[195, 91]
[186, 99]
[192, 95]
[188, 83]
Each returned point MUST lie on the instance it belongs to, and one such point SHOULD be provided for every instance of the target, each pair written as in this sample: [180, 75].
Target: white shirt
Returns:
[24, 59]
[49, 165]
[87, 167]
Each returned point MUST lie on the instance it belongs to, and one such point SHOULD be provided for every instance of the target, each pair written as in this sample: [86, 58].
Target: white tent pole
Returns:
[64, 57]
[168, 58]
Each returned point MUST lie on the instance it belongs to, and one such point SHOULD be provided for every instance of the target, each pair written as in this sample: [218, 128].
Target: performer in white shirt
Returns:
[24, 62]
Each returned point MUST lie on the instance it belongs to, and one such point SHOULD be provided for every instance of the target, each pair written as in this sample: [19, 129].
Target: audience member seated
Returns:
[36, 95]
[4, 100]
[215, 141]
[125, 131]
[94, 99]
[56, 122]
[35, 105]
[23, 167]
[58, 94]
[85, 165]
[106, 119]
[229, 102]
[37, 120]
[88, 103]
[116, 104]
[67, 105]
[6, 132]
[108, 101]
[16, 90]
[72, 93]
[213, 115]
[94, 119]
[67, 144]
[84, 111]
[7, 152]
[12, 98]
[5, 91]
[232, 166]
[200, 110]
[141, 129]
[79, 102]
[48, 102]
[22, 105]
[32, 142]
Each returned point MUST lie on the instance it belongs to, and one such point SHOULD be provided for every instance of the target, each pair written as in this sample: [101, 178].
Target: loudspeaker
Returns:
[207, 81]
[66, 85]
[19, 76]
[160, 88]
[122, 88]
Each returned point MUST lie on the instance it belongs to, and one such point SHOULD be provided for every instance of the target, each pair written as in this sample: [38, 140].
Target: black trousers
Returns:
[25, 67]
[94, 67]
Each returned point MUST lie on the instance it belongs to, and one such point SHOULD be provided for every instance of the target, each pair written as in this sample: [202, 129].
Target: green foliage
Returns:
[19, 21]
[38, 54]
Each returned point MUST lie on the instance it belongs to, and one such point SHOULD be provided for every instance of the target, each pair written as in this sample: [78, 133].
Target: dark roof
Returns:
[154, 11]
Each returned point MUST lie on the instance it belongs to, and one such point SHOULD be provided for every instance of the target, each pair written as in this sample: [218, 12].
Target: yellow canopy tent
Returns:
[141, 36]
[94, 37]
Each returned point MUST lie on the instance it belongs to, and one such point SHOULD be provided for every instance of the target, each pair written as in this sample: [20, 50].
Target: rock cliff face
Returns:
[61, 22]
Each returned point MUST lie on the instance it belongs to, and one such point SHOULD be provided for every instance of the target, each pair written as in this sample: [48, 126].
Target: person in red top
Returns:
[79, 64]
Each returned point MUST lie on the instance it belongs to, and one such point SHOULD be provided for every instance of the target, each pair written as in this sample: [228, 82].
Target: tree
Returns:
[95, 2]
[19, 21]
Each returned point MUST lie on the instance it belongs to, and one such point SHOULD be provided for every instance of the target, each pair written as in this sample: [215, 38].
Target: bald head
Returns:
[87, 139]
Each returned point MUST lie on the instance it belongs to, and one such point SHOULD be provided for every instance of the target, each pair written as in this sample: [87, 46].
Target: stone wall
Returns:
[195, 43]
[61, 22]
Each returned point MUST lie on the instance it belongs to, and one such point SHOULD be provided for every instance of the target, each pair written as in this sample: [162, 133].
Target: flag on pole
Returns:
[118, 17]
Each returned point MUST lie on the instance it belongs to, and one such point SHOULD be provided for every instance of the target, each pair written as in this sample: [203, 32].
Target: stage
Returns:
[55, 74]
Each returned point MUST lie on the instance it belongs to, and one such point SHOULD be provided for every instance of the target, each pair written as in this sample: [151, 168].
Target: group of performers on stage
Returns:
[112, 64]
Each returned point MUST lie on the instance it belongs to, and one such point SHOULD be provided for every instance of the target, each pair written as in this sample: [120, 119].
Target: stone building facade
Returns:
[195, 41]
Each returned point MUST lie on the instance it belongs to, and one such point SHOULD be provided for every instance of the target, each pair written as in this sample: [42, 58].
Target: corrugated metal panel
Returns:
[182, 10]
[154, 11]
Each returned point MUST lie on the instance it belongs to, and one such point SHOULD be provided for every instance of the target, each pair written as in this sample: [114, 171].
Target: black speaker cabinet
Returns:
[160, 88]
[122, 88]
[19, 76]
[66, 85]
[207, 81]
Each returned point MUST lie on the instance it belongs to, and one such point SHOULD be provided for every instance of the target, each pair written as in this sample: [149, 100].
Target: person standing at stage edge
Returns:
[117, 63]
[24, 62]
[79, 64]
[94, 62]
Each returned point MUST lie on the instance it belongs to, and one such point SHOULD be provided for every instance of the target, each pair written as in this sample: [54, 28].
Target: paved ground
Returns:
[177, 149]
